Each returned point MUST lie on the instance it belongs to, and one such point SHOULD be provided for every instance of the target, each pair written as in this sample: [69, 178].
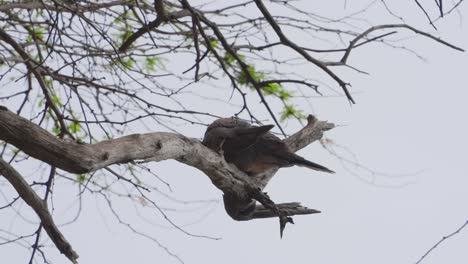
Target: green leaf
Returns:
[229, 58]
[290, 111]
[74, 127]
[284, 94]
[39, 34]
[41, 102]
[49, 83]
[271, 88]
[151, 63]
[126, 63]
[56, 130]
[214, 43]
[125, 35]
[36, 33]
[81, 178]
[256, 76]
[56, 100]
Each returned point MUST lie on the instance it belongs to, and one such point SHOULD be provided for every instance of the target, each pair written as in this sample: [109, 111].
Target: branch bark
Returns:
[84, 158]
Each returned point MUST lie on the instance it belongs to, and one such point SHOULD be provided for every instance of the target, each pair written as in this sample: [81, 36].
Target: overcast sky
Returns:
[409, 125]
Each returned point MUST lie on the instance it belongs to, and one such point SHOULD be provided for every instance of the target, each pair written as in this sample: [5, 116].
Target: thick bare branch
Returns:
[82, 158]
[308, 134]
[158, 146]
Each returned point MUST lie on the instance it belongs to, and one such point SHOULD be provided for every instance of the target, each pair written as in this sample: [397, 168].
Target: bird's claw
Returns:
[283, 221]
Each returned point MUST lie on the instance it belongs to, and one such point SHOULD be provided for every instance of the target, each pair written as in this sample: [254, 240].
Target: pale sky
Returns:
[409, 123]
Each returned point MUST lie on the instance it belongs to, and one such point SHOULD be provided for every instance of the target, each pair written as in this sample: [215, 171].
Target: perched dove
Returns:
[253, 149]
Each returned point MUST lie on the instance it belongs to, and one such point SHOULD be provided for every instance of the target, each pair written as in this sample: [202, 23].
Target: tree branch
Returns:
[158, 146]
[161, 18]
[32, 66]
[245, 69]
[73, 7]
[311, 132]
[352, 44]
[39, 206]
[442, 240]
[285, 41]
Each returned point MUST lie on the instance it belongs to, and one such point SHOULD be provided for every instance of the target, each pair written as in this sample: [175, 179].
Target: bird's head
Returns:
[228, 122]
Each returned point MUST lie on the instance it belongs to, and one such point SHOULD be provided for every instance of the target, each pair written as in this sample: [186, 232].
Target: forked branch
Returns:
[84, 158]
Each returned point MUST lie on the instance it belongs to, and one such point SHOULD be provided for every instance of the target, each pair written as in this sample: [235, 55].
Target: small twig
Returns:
[426, 14]
[441, 8]
[120, 177]
[442, 240]
[197, 48]
[39, 229]
[353, 44]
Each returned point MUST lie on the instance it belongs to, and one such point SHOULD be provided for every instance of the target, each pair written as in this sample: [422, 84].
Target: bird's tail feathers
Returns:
[300, 161]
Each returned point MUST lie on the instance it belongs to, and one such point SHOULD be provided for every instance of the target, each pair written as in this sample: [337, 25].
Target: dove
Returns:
[252, 149]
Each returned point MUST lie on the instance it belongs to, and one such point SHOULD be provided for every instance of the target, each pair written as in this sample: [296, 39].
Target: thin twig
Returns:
[442, 240]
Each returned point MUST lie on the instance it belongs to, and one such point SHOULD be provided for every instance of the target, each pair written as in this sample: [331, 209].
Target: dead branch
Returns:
[84, 158]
